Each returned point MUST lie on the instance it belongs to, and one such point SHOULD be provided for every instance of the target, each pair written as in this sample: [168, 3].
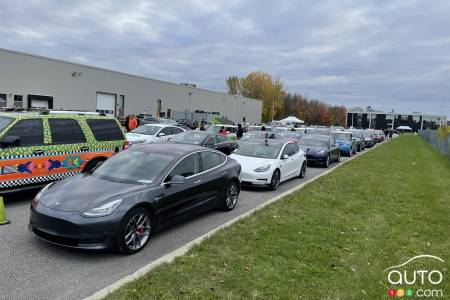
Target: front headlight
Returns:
[264, 168]
[104, 210]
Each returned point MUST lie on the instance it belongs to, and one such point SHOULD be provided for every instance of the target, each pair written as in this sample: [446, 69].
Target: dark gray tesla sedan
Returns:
[122, 202]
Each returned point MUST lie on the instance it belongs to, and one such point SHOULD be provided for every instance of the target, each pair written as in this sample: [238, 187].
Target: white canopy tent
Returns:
[292, 120]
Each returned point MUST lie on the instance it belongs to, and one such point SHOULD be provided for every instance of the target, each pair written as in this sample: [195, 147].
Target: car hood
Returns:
[136, 137]
[312, 149]
[250, 163]
[82, 192]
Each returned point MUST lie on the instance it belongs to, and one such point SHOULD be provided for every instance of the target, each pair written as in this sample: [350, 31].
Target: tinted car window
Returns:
[211, 160]
[31, 132]
[4, 122]
[66, 131]
[166, 131]
[105, 130]
[290, 149]
[210, 141]
[189, 166]
[175, 130]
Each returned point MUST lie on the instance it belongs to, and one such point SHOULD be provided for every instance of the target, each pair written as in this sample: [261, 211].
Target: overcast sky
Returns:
[392, 54]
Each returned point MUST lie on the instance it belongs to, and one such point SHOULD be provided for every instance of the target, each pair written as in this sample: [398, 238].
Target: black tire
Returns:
[230, 196]
[302, 171]
[275, 181]
[92, 164]
[327, 162]
[139, 234]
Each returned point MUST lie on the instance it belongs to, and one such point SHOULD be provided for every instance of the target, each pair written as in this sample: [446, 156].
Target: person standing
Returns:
[240, 132]
[202, 127]
[132, 122]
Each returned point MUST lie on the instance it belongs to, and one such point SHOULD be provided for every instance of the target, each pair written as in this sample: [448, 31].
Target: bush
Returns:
[443, 132]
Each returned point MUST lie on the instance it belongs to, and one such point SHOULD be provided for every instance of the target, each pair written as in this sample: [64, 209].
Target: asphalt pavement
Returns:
[34, 269]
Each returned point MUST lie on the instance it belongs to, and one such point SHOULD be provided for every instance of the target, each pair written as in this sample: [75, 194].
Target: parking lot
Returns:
[34, 269]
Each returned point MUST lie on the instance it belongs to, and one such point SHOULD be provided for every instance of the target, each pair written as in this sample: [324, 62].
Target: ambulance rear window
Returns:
[105, 129]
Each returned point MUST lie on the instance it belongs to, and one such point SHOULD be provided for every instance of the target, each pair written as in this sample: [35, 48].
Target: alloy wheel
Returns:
[303, 171]
[275, 182]
[232, 195]
[137, 231]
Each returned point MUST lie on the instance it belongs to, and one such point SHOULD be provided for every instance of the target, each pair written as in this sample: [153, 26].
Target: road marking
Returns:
[168, 258]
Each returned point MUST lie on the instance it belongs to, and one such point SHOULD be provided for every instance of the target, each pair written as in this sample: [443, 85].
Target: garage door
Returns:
[39, 103]
[106, 103]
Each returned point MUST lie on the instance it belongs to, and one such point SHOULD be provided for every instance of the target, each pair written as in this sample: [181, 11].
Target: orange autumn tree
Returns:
[263, 86]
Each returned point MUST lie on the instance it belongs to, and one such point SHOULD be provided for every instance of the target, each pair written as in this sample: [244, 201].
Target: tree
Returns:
[260, 85]
[234, 85]
[314, 111]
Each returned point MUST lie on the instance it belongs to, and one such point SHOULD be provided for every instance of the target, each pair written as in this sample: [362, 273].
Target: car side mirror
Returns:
[161, 134]
[10, 141]
[284, 156]
[178, 179]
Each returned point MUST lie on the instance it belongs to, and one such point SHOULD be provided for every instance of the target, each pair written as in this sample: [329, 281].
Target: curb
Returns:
[168, 258]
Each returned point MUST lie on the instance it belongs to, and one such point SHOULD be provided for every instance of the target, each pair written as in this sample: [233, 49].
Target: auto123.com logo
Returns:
[410, 281]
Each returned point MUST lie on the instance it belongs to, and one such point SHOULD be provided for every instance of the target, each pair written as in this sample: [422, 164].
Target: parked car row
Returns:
[110, 198]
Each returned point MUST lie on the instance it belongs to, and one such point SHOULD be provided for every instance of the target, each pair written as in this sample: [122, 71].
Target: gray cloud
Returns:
[388, 54]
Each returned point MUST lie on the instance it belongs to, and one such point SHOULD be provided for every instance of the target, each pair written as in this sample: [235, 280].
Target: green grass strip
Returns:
[330, 240]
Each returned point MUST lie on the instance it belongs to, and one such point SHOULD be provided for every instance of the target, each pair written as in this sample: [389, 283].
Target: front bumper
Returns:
[255, 179]
[316, 158]
[345, 149]
[69, 229]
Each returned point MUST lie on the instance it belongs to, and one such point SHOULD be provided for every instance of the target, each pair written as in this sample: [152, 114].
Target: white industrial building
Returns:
[31, 81]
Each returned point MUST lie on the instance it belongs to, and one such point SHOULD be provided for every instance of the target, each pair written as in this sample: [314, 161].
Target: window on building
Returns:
[105, 130]
[30, 132]
[2, 100]
[66, 131]
[18, 101]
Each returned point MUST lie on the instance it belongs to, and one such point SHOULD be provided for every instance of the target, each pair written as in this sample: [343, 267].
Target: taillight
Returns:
[126, 145]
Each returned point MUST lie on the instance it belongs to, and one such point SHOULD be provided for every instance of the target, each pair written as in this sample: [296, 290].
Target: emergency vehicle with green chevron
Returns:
[37, 147]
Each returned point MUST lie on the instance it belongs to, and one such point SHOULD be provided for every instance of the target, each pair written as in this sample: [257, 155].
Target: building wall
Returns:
[23, 74]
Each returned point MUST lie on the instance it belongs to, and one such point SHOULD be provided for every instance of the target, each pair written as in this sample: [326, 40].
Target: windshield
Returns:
[255, 135]
[341, 135]
[134, 166]
[146, 129]
[195, 138]
[4, 122]
[290, 135]
[259, 150]
[314, 143]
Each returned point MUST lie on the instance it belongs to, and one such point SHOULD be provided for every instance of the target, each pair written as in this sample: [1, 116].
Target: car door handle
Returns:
[38, 152]
[224, 173]
[84, 148]
[198, 181]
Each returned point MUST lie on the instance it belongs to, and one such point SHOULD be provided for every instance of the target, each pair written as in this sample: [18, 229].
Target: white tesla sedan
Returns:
[270, 163]
[152, 133]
